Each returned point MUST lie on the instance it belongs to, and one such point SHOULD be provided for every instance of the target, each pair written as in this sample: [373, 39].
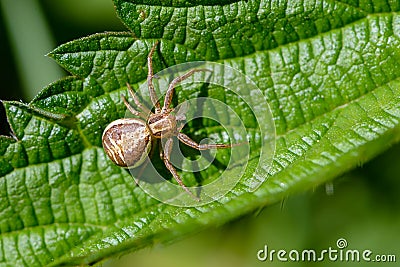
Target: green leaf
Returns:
[328, 71]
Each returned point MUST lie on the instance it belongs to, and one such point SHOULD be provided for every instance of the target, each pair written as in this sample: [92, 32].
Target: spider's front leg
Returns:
[189, 142]
[150, 76]
[165, 156]
[171, 87]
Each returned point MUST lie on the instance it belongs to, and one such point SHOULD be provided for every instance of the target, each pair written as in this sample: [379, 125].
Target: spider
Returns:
[128, 141]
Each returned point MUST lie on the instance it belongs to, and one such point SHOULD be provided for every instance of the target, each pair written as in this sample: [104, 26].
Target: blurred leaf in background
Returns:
[29, 29]
[363, 208]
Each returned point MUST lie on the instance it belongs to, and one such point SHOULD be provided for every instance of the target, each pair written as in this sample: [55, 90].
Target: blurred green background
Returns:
[362, 206]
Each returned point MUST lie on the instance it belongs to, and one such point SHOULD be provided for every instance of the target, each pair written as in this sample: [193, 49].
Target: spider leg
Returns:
[171, 87]
[136, 100]
[188, 141]
[165, 156]
[153, 95]
[131, 109]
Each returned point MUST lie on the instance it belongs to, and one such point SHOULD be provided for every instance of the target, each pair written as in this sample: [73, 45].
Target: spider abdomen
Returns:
[127, 142]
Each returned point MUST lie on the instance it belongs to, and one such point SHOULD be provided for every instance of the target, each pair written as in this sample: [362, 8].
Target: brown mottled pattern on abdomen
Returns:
[127, 142]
